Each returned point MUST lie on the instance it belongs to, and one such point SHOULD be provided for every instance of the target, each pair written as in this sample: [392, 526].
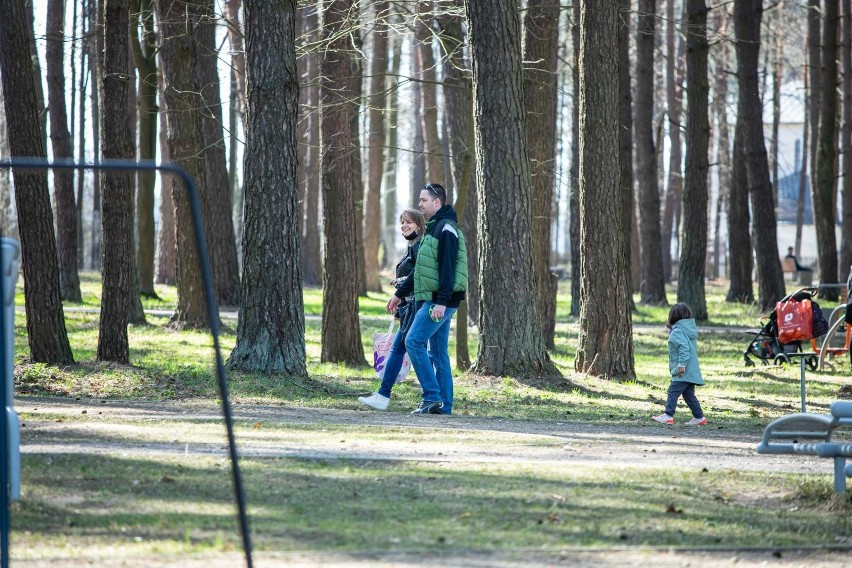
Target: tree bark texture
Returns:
[541, 46]
[458, 118]
[723, 152]
[674, 112]
[846, 196]
[653, 289]
[135, 310]
[341, 329]
[693, 251]
[511, 340]
[46, 335]
[166, 268]
[95, 47]
[143, 41]
[220, 222]
[814, 82]
[625, 140]
[117, 189]
[271, 327]
[740, 257]
[311, 255]
[390, 166]
[747, 16]
[179, 46]
[60, 137]
[606, 329]
[376, 147]
[357, 92]
[824, 191]
[574, 196]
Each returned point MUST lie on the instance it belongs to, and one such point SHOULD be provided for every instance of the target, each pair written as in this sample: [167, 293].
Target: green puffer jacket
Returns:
[683, 351]
[442, 245]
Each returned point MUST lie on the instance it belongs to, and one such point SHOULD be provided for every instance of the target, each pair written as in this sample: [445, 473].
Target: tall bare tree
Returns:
[46, 334]
[95, 46]
[606, 329]
[166, 267]
[311, 255]
[511, 339]
[653, 289]
[459, 122]
[693, 251]
[375, 146]
[625, 140]
[541, 46]
[574, 196]
[723, 146]
[747, 17]
[116, 204]
[428, 95]
[143, 42]
[271, 328]
[824, 191]
[341, 329]
[179, 45]
[60, 137]
[220, 234]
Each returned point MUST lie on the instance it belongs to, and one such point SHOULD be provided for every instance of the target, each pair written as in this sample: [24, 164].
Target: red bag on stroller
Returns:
[794, 320]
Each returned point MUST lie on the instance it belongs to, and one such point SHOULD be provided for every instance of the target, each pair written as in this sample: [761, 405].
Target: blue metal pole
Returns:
[212, 316]
[802, 361]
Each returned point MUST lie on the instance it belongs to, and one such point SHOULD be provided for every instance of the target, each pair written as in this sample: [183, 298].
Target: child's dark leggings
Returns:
[687, 391]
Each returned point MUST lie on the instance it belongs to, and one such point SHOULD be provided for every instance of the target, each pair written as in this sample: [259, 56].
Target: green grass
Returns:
[167, 504]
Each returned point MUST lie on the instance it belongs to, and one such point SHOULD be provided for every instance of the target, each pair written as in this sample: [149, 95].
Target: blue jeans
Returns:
[392, 365]
[432, 368]
[687, 391]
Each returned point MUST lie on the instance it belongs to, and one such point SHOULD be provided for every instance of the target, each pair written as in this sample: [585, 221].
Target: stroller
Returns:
[766, 346]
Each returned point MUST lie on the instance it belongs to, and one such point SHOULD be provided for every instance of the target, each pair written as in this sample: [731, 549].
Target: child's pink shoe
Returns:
[663, 419]
[697, 422]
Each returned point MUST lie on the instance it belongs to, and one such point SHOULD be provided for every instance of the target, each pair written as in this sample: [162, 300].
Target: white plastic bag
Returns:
[382, 343]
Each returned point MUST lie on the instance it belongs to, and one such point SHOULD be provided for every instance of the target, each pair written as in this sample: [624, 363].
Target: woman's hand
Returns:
[393, 304]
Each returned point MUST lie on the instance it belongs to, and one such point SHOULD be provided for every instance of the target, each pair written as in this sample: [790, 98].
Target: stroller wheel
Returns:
[781, 359]
[813, 363]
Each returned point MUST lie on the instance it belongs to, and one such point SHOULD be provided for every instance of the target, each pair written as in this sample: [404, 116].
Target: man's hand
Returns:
[680, 371]
[393, 304]
[438, 312]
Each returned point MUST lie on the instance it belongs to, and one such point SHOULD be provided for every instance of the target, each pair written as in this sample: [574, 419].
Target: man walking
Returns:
[440, 282]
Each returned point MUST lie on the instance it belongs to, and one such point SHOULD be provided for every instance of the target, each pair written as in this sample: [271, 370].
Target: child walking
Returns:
[683, 364]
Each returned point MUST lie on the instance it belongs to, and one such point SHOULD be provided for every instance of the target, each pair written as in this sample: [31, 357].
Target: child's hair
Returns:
[417, 218]
[678, 312]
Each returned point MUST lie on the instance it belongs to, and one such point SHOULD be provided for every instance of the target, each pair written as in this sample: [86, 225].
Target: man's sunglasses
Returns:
[436, 190]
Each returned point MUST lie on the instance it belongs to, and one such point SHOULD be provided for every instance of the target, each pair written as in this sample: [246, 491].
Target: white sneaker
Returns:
[697, 422]
[375, 400]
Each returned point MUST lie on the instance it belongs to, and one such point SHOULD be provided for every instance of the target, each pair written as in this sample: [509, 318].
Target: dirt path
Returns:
[502, 440]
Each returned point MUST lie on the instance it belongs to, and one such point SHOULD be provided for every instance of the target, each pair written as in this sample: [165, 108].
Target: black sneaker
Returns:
[427, 407]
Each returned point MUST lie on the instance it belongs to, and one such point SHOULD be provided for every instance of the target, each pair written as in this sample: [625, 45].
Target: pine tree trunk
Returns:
[693, 252]
[541, 45]
[459, 123]
[135, 311]
[341, 328]
[63, 180]
[221, 242]
[418, 159]
[271, 328]
[46, 335]
[179, 57]
[95, 46]
[144, 56]
[625, 140]
[739, 218]
[166, 268]
[747, 16]
[574, 198]
[777, 76]
[238, 57]
[81, 138]
[511, 341]
[723, 155]
[814, 79]
[117, 188]
[311, 255]
[653, 290]
[390, 189]
[376, 147]
[846, 197]
[674, 110]
[823, 192]
[606, 330]
[357, 74]
[5, 177]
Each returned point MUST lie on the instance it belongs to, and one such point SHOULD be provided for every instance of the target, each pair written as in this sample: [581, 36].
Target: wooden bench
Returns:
[788, 265]
[810, 434]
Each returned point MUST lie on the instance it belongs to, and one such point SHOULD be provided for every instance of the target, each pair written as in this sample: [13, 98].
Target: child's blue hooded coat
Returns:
[683, 351]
